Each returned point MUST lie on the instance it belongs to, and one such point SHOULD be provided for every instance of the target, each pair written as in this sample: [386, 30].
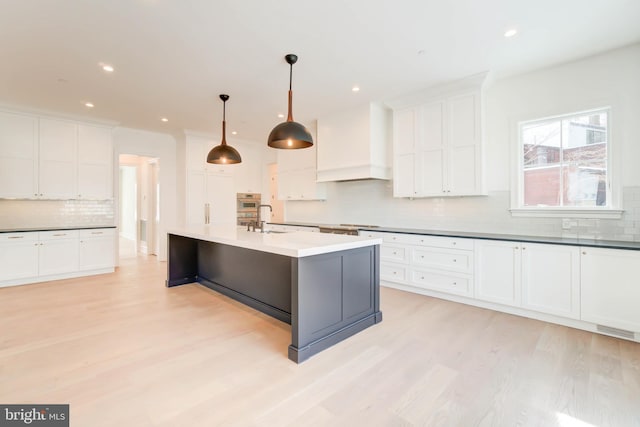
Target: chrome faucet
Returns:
[259, 222]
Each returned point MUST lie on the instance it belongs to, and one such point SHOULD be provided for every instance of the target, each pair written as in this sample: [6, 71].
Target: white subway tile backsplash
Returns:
[371, 202]
[55, 213]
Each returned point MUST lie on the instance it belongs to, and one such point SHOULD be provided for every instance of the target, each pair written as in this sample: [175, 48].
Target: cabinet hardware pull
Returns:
[59, 235]
[96, 232]
[16, 237]
[523, 248]
[454, 283]
[454, 243]
[584, 253]
[516, 247]
[455, 260]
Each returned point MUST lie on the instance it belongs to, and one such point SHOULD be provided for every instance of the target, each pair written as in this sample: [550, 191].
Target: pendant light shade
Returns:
[290, 134]
[224, 154]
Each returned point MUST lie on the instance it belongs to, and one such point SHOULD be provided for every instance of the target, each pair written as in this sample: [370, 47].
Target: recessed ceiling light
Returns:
[355, 89]
[281, 115]
[234, 133]
[108, 68]
[164, 119]
[89, 104]
[510, 33]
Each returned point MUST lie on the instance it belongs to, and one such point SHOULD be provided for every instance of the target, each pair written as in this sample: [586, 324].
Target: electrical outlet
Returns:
[566, 223]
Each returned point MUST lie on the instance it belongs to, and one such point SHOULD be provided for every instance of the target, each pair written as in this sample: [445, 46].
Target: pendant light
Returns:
[224, 154]
[290, 134]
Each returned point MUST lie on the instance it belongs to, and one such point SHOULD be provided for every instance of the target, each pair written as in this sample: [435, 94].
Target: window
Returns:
[565, 163]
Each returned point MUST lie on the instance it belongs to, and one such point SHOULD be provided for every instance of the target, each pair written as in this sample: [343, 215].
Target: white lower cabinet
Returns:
[551, 279]
[97, 249]
[443, 264]
[59, 252]
[30, 257]
[539, 277]
[610, 289]
[498, 277]
[18, 256]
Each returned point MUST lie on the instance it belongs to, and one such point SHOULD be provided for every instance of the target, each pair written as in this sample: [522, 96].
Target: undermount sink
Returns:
[268, 231]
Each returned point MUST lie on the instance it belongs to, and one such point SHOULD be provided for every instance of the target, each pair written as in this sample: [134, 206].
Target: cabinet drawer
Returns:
[395, 253]
[393, 272]
[442, 242]
[441, 282]
[58, 234]
[97, 232]
[19, 237]
[443, 259]
[396, 238]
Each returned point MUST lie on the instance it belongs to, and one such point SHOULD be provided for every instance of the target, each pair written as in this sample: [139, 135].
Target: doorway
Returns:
[139, 201]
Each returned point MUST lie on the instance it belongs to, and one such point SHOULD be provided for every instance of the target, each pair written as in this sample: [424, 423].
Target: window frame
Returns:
[611, 211]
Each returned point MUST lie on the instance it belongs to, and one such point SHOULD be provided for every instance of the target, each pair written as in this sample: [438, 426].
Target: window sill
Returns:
[566, 213]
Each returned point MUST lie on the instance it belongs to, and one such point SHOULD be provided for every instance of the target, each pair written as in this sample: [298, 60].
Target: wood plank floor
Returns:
[123, 350]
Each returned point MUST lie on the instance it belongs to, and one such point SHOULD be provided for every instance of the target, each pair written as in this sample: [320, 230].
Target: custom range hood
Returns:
[355, 144]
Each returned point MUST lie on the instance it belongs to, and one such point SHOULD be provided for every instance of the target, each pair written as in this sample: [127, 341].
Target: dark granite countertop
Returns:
[595, 243]
[23, 229]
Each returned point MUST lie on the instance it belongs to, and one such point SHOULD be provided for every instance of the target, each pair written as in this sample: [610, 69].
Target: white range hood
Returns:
[355, 144]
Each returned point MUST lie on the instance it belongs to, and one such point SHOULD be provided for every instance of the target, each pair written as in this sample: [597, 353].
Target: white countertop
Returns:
[296, 244]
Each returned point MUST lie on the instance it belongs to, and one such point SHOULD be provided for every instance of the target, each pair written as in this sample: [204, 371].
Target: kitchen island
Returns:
[326, 286]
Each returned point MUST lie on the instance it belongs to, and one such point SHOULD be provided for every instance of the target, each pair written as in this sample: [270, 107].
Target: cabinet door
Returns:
[58, 256]
[404, 131]
[58, 159]
[404, 176]
[221, 198]
[430, 148]
[551, 279]
[463, 152]
[429, 173]
[95, 163]
[247, 175]
[498, 272]
[195, 197]
[18, 156]
[97, 253]
[610, 292]
[18, 256]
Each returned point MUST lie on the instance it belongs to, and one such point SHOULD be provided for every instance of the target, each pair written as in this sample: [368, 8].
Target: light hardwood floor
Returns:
[123, 350]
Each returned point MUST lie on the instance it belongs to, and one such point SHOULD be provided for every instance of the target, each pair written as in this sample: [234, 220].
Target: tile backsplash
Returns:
[372, 202]
[55, 213]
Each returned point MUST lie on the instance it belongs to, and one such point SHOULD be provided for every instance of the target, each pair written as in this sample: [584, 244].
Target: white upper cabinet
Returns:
[355, 144]
[58, 159]
[437, 142]
[95, 160]
[18, 156]
[297, 175]
[46, 158]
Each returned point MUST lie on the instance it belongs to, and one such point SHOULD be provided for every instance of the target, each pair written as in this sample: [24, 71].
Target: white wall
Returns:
[162, 146]
[610, 79]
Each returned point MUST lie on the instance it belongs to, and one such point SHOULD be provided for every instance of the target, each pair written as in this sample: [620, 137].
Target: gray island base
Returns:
[326, 297]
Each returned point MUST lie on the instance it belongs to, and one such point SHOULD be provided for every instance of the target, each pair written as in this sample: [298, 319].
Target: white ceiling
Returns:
[173, 58]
